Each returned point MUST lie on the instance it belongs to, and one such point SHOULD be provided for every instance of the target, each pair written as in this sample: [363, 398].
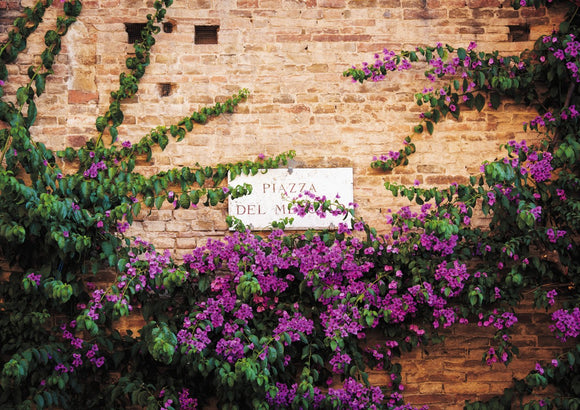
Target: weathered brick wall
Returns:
[9, 9]
[444, 376]
[291, 55]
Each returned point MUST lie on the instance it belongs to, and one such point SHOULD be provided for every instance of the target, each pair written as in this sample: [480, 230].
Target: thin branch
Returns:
[571, 89]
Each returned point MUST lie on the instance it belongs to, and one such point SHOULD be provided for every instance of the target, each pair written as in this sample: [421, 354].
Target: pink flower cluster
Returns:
[94, 169]
[78, 344]
[388, 61]
[567, 324]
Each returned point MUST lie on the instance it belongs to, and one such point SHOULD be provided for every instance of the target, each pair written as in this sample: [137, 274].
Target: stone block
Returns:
[82, 97]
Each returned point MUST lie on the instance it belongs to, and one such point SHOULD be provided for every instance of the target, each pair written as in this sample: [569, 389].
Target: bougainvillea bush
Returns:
[283, 320]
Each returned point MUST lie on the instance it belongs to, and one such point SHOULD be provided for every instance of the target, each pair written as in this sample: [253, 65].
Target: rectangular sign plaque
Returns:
[273, 190]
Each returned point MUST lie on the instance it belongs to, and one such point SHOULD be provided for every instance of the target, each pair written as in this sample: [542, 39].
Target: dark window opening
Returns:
[206, 34]
[167, 27]
[134, 31]
[165, 89]
[519, 33]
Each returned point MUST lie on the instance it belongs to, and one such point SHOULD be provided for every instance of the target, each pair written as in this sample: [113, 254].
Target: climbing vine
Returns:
[282, 321]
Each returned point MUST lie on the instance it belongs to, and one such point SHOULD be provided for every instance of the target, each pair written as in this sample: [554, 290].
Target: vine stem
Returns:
[9, 140]
[99, 140]
[574, 14]
[39, 2]
[571, 89]
[5, 148]
[32, 80]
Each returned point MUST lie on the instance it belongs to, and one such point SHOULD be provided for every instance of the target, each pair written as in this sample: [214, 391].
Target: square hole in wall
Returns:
[519, 33]
[206, 34]
[134, 31]
[165, 89]
[168, 27]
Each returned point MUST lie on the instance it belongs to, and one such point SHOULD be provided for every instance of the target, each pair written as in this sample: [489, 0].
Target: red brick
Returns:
[341, 38]
[468, 388]
[431, 388]
[532, 12]
[247, 4]
[332, 3]
[446, 179]
[483, 3]
[414, 14]
[82, 97]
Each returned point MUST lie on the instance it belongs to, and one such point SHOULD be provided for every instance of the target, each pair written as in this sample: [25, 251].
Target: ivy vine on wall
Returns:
[280, 321]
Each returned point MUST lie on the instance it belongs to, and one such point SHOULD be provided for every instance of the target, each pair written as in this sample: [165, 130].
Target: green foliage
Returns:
[562, 372]
[160, 341]
[265, 322]
[530, 197]
[58, 229]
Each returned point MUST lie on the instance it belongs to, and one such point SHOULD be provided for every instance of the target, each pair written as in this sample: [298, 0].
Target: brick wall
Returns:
[291, 55]
[444, 376]
[9, 9]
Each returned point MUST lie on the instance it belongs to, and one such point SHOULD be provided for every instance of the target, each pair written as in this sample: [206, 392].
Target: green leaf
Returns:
[163, 141]
[107, 248]
[85, 189]
[195, 197]
[479, 102]
[3, 71]
[73, 8]
[184, 201]
[48, 398]
[51, 37]
[101, 123]
[116, 113]
[481, 79]
[31, 113]
[114, 133]
[40, 82]
[39, 400]
[22, 95]
[272, 355]
[47, 59]
[173, 130]
[200, 177]
[429, 126]
[333, 345]
[136, 208]
[494, 99]
[188, 124]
